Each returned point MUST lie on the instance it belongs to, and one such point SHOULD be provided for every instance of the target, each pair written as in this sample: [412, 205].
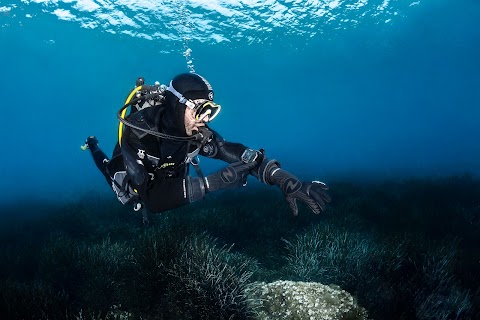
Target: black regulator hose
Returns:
[197, 137]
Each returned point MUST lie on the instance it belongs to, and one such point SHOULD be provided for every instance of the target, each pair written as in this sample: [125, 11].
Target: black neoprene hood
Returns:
[193, 86]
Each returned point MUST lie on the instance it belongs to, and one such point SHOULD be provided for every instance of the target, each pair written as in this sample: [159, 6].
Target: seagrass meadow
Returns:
[379, 99]
[398, 250]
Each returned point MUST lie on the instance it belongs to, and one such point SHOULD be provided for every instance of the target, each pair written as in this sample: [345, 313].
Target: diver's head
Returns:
[192, 86]
[189, 98]
[196, 94]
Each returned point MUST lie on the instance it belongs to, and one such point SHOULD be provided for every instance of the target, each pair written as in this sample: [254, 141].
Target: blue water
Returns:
[336, 90]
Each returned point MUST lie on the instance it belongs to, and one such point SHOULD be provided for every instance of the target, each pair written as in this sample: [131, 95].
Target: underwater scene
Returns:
[337, 141]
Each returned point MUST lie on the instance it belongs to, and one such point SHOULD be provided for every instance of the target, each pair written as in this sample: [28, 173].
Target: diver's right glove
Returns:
[311, 193]
[233, 176]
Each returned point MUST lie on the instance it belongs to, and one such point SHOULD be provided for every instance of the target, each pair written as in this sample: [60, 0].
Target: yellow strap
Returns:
[120, 126]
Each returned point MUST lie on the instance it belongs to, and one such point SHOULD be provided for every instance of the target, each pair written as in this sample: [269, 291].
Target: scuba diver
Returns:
[166, 130]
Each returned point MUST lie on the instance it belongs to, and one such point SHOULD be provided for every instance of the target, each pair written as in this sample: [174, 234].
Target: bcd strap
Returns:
[140, 206]
[146, 222]
[195, 164]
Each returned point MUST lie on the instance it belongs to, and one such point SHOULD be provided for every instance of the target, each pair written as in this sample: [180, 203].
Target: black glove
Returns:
[311, 193]
[232, 176]
[91, 141]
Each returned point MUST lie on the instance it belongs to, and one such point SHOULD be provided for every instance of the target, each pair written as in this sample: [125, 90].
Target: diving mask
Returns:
[202, 107]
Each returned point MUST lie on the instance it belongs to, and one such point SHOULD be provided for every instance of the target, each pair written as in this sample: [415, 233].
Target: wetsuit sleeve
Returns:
[218, 148]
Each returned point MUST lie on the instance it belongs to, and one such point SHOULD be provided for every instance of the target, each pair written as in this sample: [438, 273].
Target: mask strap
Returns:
[180, 97]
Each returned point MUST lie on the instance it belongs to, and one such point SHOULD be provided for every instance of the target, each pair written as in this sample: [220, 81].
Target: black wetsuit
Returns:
[157, 168]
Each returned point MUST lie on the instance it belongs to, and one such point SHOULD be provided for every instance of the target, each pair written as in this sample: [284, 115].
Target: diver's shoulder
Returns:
[145, 115]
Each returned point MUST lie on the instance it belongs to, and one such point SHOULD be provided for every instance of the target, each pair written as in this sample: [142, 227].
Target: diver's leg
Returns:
[100, 158]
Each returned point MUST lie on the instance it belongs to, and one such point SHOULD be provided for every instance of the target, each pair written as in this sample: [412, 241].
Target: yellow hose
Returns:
[120, 126]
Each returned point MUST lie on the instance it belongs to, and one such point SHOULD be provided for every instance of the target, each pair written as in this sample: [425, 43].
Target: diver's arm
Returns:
[230, 152]
[170, 193]
[164, 194]
[159, 195]
[268, 171]
[218, 148]
[99, 157]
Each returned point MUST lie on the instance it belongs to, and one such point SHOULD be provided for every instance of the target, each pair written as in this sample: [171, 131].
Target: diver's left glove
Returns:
[90, 142]
[313, 193]
[233, 176]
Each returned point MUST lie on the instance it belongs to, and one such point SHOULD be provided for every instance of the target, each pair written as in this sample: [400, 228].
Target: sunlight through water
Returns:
[213, 21]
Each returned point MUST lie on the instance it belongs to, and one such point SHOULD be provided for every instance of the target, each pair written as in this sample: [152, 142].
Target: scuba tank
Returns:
[144, 96]
[141, 97]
